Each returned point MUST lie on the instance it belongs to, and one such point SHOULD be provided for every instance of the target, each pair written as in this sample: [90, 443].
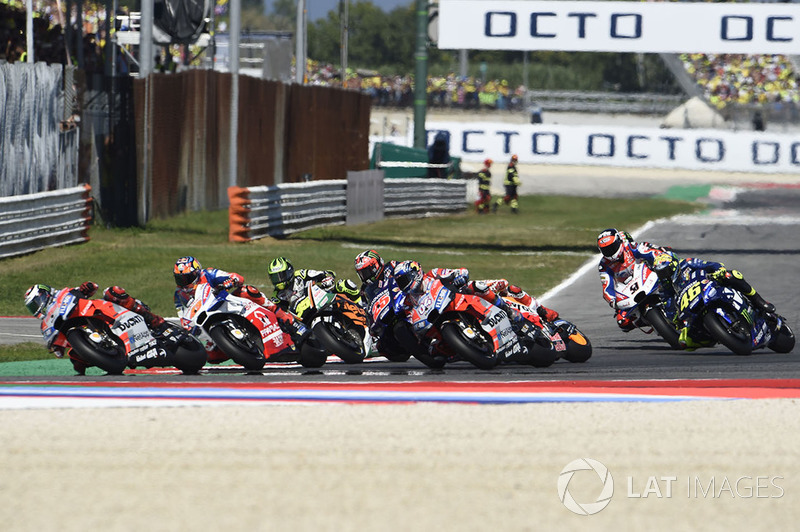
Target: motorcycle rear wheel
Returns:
[190, 356]
[337, 345]
[111, 360]
[579, 348]
[451, 334]
[738, 342]
[248, 355]
[655, 317]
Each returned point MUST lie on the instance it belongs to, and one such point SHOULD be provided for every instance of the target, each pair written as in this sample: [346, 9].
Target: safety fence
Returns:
[38, 140]
[280, 210]
[32, 222]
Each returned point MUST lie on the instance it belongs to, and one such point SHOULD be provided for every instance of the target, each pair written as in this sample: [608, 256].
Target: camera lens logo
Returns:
[587, 508]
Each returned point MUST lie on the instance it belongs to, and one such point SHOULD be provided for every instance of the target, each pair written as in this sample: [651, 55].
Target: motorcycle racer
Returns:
[189, 273]
[505, 289]
[675, 275]
[290, 283]
[620, 254]
[40, 297]
[374, 273]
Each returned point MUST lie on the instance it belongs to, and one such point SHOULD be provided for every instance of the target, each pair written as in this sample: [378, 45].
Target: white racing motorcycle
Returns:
[639, 296]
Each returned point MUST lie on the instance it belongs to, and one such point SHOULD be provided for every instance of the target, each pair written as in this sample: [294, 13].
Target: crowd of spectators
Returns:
[48, 30]
[744, 79]
[448, 91]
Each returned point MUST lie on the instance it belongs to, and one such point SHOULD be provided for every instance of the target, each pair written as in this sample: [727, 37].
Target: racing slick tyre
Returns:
[96, 348]
[190, 356]
[451, 333]
[337, 344]
[735, 336]
[248, 352]
[783, 341]
[579, 348]
[665, 329]
[312, 354]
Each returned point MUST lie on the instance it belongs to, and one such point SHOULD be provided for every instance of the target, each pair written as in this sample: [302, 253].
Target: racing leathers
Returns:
[612, 271]
[458, 279]
[325, 279]
[219, 279]
[690, 270]
[234, 284]
[370, 289]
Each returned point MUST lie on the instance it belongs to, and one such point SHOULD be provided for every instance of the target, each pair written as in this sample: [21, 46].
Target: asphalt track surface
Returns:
[754, 230]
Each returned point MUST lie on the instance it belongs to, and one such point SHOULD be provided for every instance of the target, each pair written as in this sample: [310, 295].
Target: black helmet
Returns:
[609, 242]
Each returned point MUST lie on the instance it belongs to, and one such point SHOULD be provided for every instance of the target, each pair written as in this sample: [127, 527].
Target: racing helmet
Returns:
[369, 265]
[37, 298]
[408, 276]
[665, 265]
[280, 272]
[609, 242]
[187, 271]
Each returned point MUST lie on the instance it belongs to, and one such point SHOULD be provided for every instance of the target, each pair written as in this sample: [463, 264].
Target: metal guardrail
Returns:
[606, 102]
[280, 210]
[423, 197]
[32, 222]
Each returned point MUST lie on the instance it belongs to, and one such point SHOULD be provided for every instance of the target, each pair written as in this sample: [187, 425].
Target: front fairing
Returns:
[631, 289]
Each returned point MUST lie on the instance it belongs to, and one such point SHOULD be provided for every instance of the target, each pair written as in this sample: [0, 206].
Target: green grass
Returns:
[545, 243]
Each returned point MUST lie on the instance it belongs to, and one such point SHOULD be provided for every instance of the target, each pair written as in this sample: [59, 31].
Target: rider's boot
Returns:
[759, 301]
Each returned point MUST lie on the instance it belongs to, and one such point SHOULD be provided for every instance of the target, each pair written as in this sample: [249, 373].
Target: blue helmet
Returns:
[408, 276]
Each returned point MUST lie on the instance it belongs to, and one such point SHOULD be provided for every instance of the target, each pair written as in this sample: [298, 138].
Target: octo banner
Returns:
[693, 149]
[669, 27]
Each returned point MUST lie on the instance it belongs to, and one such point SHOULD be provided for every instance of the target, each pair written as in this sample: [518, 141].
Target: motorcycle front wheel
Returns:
[579, 348]
[248, 352]
[337, 344]
[107, 355]
[735, 336]
[783, 339]
[451, 333]
[665, 329]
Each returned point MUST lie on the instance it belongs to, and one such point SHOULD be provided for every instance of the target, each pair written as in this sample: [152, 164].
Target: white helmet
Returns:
[37, 298]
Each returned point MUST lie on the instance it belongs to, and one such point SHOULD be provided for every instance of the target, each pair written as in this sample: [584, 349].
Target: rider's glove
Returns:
[547, 314]
[718, 275]
[348, 288]
[229, 283]
[88, 288]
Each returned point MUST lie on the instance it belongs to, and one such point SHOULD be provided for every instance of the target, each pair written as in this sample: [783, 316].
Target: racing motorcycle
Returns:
[112, 337]
[396, 340]
[339, 324]
[467, 327]
[640, 297]
[564, 337]
[716, 313]
[232, 327]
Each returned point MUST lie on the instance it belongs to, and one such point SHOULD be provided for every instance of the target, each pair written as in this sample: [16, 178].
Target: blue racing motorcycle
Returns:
[718, 314]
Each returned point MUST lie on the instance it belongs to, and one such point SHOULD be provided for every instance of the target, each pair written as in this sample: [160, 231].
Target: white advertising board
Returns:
[648, 27]
[693, 149]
